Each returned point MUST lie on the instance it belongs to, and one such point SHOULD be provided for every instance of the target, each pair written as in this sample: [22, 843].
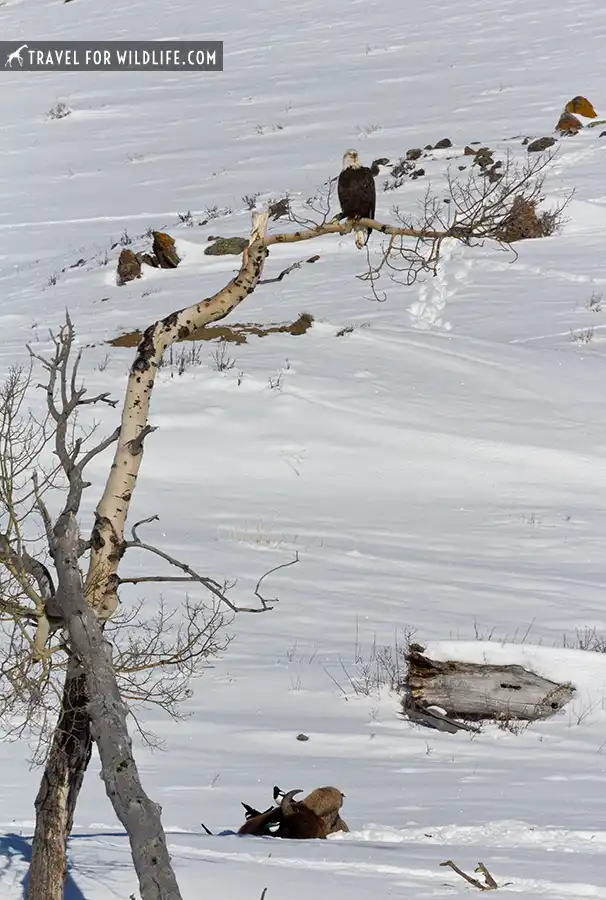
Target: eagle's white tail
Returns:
[361, 239]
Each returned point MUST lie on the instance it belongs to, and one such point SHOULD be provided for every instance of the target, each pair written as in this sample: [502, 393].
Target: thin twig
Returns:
[270, 572]
[289, 269]
[158, 579]
[209, 583]
[103, 445]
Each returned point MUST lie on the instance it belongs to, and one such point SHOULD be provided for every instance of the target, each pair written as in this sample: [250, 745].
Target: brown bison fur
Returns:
[316, 816]
[299, 822]
[326, 802]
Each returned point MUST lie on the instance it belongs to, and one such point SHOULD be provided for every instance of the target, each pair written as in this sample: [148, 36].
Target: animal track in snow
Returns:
[427, 311]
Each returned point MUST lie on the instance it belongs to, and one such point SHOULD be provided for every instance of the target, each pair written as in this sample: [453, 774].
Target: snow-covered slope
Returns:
[439, 467]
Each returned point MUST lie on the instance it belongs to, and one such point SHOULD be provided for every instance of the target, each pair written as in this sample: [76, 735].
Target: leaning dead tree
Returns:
[500, 205]
[60, 606]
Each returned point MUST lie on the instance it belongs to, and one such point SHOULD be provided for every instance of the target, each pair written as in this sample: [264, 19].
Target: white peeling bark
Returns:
[112, 510]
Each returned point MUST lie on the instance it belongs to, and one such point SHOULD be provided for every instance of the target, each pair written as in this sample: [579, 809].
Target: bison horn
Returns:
[286, 805]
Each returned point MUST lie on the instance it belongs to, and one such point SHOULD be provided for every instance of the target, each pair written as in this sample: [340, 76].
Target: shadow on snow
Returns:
[15, 847]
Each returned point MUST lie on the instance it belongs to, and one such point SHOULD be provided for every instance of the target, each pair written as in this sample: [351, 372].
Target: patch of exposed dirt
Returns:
[235, 334]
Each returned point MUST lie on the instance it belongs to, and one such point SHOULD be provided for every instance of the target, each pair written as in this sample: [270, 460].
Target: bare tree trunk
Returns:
[62, 779]
[108, 544]
[137, 813]
[58, 794]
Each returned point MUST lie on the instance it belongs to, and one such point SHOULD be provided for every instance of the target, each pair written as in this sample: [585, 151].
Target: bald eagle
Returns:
[357, 193]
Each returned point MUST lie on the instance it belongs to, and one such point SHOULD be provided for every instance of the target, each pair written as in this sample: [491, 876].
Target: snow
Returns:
[440, 468]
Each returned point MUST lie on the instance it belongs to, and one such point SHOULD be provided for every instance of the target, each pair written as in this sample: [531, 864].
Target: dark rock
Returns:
[148, 259]
[302, 737]
[541, 144]
[164, 250]
[568, 124]
[414, 153]
[492, 174]
[129, 267]
[443, 144]
[483, 158]
[377, 163]
[227, 246]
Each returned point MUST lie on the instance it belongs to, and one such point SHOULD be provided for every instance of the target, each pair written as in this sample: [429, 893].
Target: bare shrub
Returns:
[279, 208]
[181, 357]
[214, 212]
[250, 200]
[582, 337]
[524, 222]
[595, 303]
[380, 668]
[223, 362]
[59, 111]
[588, 639]
[366, 130]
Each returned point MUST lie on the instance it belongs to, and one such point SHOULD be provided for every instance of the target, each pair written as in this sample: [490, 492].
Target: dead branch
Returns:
[289, 269]
[264, 602]
[487, 876]
[472, 212]
[318, 206]
[108, 543]
[489, 883]
[309, 234]
[63, 399]
[219, 591]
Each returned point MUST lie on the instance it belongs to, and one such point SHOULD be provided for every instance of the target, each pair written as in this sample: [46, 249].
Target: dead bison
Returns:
[316, 816]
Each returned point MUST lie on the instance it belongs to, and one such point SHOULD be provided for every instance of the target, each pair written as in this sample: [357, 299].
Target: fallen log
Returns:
[438, 692]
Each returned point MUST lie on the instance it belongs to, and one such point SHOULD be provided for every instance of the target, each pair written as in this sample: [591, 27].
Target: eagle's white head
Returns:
[351, 160]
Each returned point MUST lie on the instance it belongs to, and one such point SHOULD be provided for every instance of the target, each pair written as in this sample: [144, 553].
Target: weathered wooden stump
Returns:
[436, 692]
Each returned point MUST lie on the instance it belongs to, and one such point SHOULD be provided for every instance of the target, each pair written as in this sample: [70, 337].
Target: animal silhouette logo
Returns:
[15, 57]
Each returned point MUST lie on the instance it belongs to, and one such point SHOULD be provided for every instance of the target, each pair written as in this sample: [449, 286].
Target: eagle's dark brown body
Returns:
[356, 191]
